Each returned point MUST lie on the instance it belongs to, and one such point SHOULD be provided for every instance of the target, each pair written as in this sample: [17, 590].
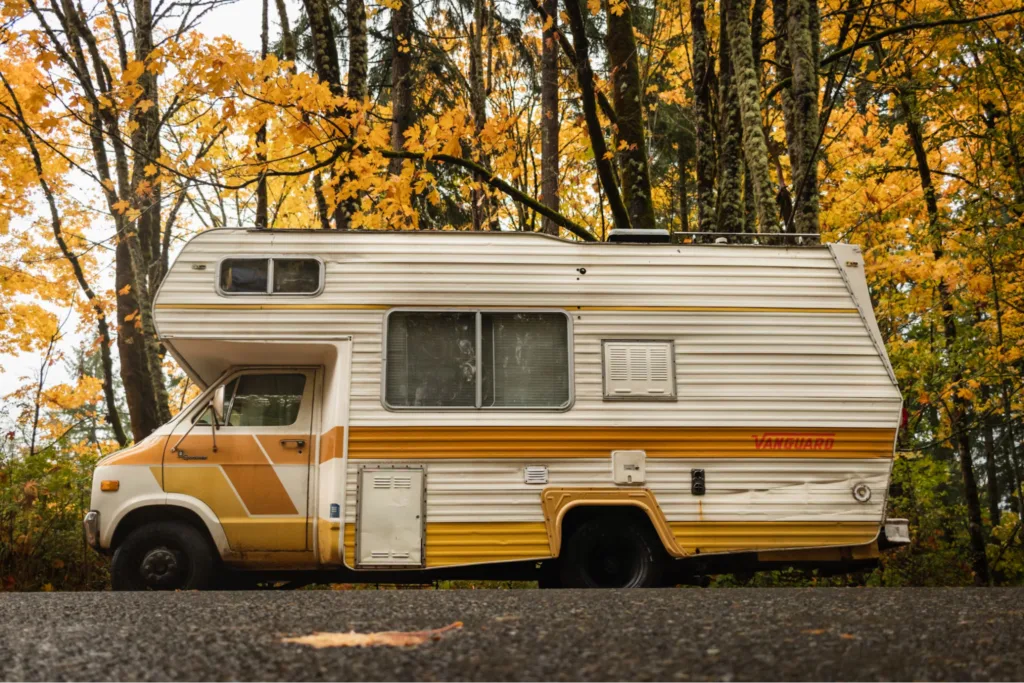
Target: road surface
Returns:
[669, 634]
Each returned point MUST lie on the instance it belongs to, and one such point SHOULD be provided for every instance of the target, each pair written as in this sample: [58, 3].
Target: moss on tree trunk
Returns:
[628, 100]
[703, 74]
[730, 143]
[755, 148]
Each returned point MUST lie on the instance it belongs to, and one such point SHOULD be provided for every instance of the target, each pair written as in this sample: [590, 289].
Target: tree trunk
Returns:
[703, 74]
[289, 53]
[358, 49]
[685, 143]
[480, 203]
[325, 62]
[780, 15]
[755, 148]
[802, 39]
[628, 100]
[261, 133]
[288, 50]
[143, 238]
[991, 477]
[550, 120]
[730, 142]
[401, 79]
[958, 412]
[585, 76]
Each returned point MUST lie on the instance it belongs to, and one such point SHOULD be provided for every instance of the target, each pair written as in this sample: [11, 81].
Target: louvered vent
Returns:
[639, 370]
[535, 474]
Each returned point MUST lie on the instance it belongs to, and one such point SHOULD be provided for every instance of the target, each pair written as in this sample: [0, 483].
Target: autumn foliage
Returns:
[125, 128]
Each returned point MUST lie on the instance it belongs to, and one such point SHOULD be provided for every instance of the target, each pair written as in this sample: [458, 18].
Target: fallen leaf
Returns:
[815, 631]
[320, 640]
[847, 636]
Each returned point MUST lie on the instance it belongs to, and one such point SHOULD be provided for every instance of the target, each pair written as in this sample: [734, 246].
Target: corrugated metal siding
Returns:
[520, 269]
[747, 490]
[734, 367]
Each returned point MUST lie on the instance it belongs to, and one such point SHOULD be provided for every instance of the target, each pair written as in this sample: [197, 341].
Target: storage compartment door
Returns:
[389, 530]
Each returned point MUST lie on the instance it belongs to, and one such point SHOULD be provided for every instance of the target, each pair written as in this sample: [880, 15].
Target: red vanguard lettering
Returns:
[793, 441]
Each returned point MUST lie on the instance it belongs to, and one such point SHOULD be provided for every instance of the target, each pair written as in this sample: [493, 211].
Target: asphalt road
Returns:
[669, 634]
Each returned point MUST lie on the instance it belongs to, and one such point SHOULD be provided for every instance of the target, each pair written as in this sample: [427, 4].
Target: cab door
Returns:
[254, 470]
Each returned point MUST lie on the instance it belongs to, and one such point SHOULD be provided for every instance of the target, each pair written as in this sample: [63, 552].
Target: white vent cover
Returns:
[639, 370]
[535, 474]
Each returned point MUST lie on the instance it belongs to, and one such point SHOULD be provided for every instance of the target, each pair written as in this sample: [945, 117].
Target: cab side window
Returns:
[268, 400]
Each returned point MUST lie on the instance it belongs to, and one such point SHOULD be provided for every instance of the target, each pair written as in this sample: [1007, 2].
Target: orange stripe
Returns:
[260, 489]
[420, 443]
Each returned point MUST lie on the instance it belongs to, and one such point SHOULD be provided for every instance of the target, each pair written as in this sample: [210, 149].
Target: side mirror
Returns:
[217, 403]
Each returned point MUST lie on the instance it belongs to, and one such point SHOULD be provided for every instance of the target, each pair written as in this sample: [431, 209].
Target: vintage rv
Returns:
[401, 406]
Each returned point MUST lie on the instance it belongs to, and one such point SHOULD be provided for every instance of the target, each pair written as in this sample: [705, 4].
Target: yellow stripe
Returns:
[384, 307]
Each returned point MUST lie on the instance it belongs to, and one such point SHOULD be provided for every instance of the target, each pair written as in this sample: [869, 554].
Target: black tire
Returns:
[549, 575]
[612, 552]
[163, 556]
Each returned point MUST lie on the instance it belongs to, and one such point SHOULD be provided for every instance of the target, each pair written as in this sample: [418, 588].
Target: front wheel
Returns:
[608, 552]
[163, 556]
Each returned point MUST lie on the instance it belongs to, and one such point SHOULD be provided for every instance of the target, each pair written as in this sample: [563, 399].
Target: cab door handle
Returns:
[297, 443]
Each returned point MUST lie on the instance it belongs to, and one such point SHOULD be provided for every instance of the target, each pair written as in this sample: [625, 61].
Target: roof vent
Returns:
[646, 236]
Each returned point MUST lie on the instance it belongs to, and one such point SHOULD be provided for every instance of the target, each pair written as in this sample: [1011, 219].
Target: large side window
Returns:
[477, 360]
[270, 400]
[270, 275]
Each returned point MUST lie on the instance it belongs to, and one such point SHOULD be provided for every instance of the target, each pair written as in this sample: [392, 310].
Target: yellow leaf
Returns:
[121, 206]
[125, 290]
[150, 170]
[133, 71]
[320, 640]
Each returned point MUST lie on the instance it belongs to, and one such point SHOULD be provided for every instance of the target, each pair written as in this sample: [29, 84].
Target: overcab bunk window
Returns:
[271, 275]
[477, 360]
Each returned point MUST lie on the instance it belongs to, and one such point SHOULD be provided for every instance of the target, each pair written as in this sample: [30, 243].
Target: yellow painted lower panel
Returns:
[329, 545]
[350, 545]
[718, 537]
[265, 533]
[452, 544]
[475, 542]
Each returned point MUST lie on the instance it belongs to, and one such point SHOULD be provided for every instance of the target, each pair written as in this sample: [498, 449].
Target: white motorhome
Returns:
[404, 406]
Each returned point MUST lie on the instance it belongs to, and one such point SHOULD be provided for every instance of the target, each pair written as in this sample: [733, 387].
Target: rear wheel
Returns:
[611, 552]
[163, 556]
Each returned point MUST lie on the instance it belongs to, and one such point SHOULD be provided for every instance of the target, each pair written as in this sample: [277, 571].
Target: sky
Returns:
[242, 21]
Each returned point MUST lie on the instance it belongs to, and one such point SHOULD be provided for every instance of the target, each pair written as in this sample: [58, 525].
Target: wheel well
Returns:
[579, 514]
[159, 513]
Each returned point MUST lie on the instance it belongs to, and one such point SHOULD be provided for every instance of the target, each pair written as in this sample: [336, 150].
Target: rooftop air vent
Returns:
[640, 236]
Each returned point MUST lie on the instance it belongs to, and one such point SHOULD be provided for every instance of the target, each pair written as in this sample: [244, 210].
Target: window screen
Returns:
[243, 275]
[296, 275]
[271, 400]
[525, 360]
[270, 275]
[433, 360]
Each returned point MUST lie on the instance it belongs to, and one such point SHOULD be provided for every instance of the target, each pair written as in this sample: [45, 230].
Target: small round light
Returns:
[862, 493]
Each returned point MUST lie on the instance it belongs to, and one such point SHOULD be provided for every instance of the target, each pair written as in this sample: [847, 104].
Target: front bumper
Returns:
[895, 532]
[91, 529]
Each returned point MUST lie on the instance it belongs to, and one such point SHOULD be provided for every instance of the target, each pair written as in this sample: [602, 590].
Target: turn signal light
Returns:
[110, 485]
